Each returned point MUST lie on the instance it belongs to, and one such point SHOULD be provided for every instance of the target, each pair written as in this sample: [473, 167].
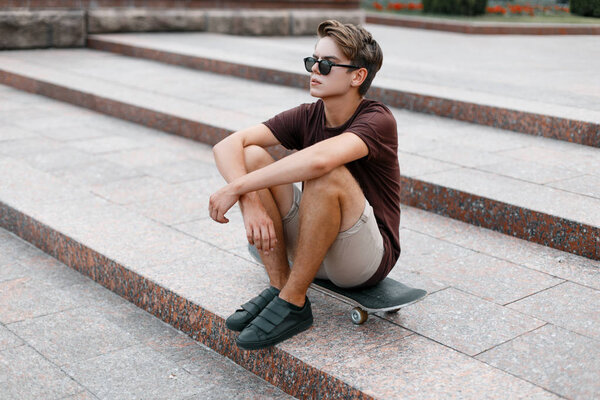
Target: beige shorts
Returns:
[355, 254]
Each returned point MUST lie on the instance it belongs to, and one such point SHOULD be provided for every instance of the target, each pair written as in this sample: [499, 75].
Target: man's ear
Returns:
[358, 77]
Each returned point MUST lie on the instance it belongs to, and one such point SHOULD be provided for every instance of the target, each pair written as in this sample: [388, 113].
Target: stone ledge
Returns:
[145, 20]
[27, 29]
[245, 22]
[482, 28]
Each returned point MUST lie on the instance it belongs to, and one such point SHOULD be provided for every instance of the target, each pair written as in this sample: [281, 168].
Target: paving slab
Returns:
[415, 377]
[588, 185]
[488, 277]
[8, 339]
[28, 375]
[550, 261]
[568, 305]
[25, 298]
[56, 339]
[555, 358]
[193, 278]
[464, 322]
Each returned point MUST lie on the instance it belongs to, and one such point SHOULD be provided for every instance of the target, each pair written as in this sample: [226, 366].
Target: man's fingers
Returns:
[272, 235]
[257, 241]
[249, 235]
[264, 231]
[220, 217]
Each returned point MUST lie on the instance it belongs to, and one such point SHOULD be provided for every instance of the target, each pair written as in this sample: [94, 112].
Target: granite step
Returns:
[455, 76]
[63, 335]
[127, 206]
[534, 188]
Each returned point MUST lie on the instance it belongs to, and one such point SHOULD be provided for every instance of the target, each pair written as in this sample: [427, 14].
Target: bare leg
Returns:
[277, 201]
[330, 204]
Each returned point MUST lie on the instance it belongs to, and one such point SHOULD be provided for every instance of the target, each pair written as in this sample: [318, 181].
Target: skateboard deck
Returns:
[388, 295]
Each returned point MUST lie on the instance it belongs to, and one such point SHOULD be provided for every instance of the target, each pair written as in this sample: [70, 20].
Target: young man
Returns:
[343, 226]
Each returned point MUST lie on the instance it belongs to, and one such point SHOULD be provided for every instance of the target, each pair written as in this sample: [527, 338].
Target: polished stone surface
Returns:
[568, 305]
[104, 347]
[193, 273]
[463, 322]
[437, 162]
[562, 361]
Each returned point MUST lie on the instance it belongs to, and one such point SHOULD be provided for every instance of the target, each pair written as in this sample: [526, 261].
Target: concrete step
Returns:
[533, 188]
[63, 335]
[455, 76]
[127, 206]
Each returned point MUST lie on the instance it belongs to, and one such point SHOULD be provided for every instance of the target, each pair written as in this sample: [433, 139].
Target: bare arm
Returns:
[229, 152]
[309, 163]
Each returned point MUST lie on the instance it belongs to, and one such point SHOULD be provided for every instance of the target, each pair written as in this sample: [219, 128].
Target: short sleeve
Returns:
[287, 127]
[377, 129]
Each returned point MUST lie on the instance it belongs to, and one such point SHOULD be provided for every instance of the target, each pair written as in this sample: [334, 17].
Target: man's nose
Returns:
[315, 68]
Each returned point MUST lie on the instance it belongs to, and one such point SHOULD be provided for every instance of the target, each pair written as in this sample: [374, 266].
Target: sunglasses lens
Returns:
[324, 67]
[308, 63]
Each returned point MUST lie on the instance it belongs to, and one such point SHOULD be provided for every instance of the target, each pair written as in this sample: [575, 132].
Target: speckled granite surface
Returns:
[420, 73]
[458, 342]
[454, 168]
[63, 336]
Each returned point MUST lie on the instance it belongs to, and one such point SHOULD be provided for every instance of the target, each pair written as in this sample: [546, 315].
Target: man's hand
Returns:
[220, 202]
[260, 230]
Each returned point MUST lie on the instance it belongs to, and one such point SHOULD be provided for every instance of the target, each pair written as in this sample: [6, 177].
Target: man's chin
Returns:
[316, 93]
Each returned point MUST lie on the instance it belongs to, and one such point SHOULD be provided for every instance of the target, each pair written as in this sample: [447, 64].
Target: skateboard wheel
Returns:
[359, 316]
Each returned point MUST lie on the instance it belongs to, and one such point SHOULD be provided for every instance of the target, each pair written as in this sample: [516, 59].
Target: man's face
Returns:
[338, 81]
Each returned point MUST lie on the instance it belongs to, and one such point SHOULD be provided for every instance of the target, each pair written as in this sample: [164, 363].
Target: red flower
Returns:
[516, 9]
[496, 10]
[399, 6]
[377, 6]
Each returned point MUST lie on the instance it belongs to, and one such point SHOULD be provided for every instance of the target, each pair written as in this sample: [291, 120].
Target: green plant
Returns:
[587, 8]
[455, 7]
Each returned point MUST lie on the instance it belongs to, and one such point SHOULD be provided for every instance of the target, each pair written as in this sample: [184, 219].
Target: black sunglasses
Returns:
[324, 65]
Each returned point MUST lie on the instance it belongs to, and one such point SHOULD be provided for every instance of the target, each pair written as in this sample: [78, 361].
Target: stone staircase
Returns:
[510, 309]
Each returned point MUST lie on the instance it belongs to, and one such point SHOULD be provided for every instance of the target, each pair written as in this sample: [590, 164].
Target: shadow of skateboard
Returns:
[388, 295]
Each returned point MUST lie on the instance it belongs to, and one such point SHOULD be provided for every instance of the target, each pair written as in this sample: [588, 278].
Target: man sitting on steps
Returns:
[343, 225]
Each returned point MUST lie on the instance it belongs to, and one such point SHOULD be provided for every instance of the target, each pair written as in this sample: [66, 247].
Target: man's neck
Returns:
[339, 109]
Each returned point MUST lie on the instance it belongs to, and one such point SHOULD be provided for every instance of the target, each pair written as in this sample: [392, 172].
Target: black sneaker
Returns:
[278, 321]
[242, 317]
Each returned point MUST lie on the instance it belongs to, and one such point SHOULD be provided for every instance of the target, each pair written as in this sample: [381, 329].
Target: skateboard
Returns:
[388, 295]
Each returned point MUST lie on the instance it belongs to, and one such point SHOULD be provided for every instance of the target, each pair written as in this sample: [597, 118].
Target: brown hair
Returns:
[358, 45]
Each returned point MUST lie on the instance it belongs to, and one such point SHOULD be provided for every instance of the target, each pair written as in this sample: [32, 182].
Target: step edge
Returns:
[209, 134]
[582, 132]
[197, 322]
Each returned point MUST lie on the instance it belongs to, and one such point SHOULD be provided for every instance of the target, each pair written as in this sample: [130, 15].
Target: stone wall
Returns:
[66, 23]
[249, 22]
[42, 28]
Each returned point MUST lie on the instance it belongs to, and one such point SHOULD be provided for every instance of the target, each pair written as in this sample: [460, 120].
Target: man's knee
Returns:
[255, 157]
[335, 180]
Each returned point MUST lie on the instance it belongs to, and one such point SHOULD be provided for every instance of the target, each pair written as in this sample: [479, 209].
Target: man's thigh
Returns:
[354, 255]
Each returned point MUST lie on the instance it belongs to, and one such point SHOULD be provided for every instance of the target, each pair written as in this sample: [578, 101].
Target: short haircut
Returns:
[358, 45]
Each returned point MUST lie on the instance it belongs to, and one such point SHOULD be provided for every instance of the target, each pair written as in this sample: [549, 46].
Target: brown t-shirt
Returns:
[378, 173]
